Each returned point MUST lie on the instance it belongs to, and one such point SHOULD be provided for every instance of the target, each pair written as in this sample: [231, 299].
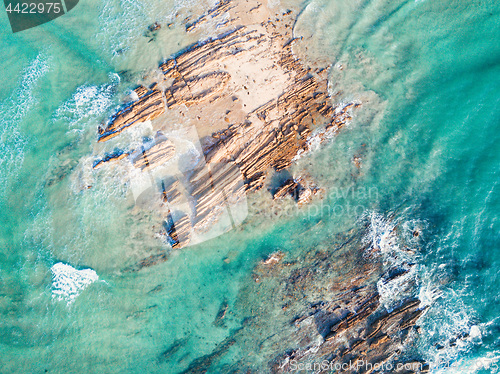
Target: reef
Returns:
[324, 312]
[254, 105]
[330, 302]
[247, 105]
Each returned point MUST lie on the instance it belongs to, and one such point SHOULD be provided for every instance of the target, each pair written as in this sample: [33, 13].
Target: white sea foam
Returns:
[449, 328]
[382, 235]
[87, 101]
[486, 363]
[428, 293]
[68, 282]
[386, 243]
[12, 111]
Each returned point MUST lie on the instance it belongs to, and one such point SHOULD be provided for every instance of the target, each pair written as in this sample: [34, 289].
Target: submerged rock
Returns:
[221, 314]
[321, 313]
[155, 26]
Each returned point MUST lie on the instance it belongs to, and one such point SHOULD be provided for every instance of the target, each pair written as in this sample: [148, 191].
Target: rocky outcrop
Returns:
[288, 188]
[255, 106]
[322, 313]
[221, 314]
[218, 11]
[113, 156]
[154, 154]
[178, 233]
[149, 105]
[300, 189]
[195, 90]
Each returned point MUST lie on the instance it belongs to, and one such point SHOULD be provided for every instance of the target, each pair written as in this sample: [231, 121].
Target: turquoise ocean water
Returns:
[428, 76]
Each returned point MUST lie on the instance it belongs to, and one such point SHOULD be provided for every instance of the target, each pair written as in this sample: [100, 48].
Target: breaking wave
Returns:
[87, 101]
[449, 328]
[68, 282]
[12, 111]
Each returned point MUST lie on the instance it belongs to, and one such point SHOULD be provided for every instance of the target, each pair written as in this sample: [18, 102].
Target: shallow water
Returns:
[427, 75]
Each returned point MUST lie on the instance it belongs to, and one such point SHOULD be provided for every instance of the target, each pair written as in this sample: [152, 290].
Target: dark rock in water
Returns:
[155, 26]
[202, 364]
[288, 188]
[152, 31]
[328, 307]
[177, 233]
[148, 261]
[60, 172]
[300, 189]
[221, 314]
[167, 354]
[156, 289]
[116, 155]
[140, 313]
[334, 315]
[127, 76]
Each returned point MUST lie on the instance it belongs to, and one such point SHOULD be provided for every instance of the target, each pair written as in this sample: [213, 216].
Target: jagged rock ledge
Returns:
[322, 313]
[255, 107]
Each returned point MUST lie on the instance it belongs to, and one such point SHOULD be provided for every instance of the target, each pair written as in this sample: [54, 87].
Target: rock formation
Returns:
[300, 189]
[289, 187]
[322, 314]
[149, 105]
[255, 106]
